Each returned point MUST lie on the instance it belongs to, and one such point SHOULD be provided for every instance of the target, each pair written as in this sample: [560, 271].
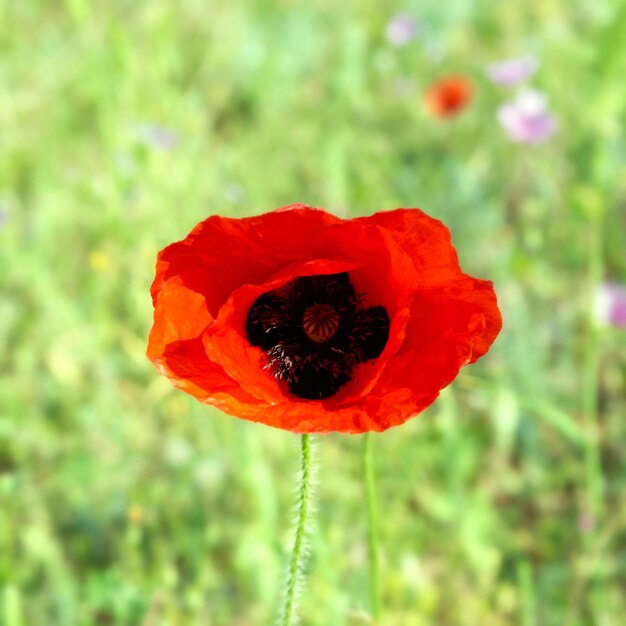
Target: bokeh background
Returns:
[122, 124]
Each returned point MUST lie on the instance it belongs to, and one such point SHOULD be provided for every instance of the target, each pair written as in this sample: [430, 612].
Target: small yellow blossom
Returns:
[99, 261]
[136, 514]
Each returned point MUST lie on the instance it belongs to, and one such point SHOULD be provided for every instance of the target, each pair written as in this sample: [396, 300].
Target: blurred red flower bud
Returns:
[448, 96]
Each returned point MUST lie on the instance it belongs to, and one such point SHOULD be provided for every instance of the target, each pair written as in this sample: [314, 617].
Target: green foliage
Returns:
[123, 124]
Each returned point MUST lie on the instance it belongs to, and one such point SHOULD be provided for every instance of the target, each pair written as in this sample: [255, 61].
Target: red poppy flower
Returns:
[311, 323]
[448, 96]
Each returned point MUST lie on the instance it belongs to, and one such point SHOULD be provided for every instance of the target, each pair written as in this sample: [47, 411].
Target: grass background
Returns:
[122, 124]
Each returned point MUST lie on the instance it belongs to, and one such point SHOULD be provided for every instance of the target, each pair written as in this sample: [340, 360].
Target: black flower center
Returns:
[315, 332]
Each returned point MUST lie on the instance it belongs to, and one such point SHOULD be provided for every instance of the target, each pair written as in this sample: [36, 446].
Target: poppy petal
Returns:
[221, 253]
[425, 240]
[179, 314]
[453, 330]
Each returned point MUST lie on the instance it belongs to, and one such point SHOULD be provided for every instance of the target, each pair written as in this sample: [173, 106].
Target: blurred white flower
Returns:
[610, 305]
[528, 118]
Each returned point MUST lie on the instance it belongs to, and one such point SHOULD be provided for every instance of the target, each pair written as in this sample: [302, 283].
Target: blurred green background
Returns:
[122, 124]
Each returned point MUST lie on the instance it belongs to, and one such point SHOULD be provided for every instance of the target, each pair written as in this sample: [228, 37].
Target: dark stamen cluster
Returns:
[314, 333]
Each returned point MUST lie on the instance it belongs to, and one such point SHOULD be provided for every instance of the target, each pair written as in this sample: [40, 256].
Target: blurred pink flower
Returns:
[586, 523]
[610, 305]
[401, 29]
[527, 119]
[512, 71]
